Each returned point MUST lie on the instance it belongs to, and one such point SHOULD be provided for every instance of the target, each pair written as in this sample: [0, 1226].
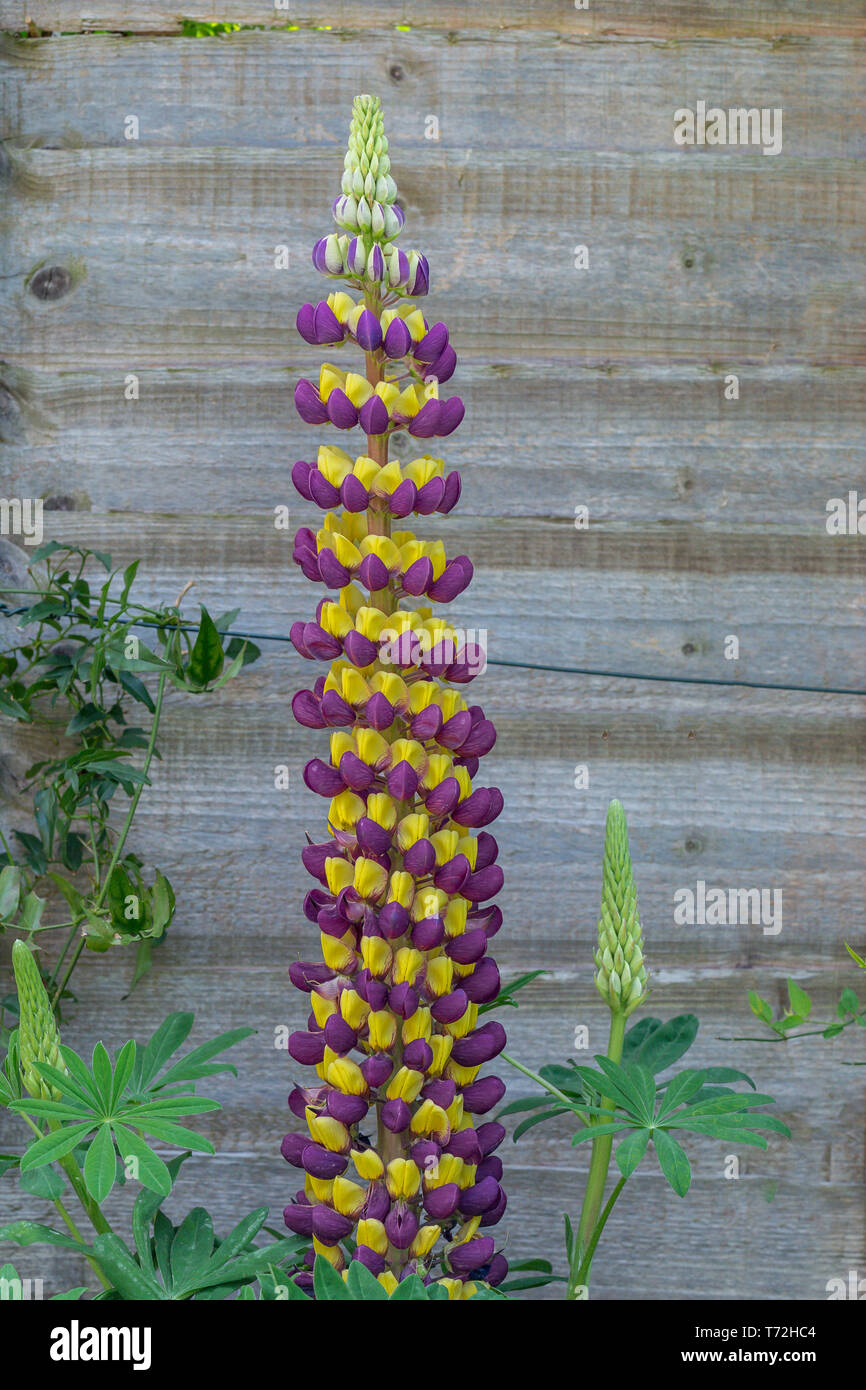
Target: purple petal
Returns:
[322, 778]
[359, 649]
[369, 332]
[320, 1162]
[466, 1258]
[396, 1116]
[398, 339]
[328, 326]
[456, 576]
[308, 403]
[340, 410]
[307, 710]
[468, 948]
[483, 984]
[479, 1047]
[432, 344]
[353, 494]
[482, 1095]
[323, 493]
[418, 576]
[379, 712]
[306, 323]
[431, 494]
[373, 572]
[426, 423]
[374, 416]
[307, 1048]
[453, 411]
[402, 499]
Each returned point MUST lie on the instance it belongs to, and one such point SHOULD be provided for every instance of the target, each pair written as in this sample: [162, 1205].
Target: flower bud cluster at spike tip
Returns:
[38, 1037]
[392, 1139]
[621, 976]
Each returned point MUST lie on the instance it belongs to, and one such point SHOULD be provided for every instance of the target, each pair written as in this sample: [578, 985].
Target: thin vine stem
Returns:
[121, 841]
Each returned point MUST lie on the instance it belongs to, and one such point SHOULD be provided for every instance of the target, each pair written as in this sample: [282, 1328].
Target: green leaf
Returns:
[516, 1107]
[145, 1208]
[32, 1233]
[128, 1278]
[656, 1045]
[166, 1040]
[191, 1248]
[362, 1284]
[537, 1119]
[760, 1008]
[620, 1086]
[128, 579]
[206, 657]
[187, 1069]
[596, 1131]
[683, 1086]
[148, 1167]
[42, 1182]
[630, 1150]
[849, 1001]
[239, 1239]
[717, 1074]
[409, 1290]
[294, 1294]
[800, 1002]
[673, 1161]
[854, 956]
[10, 890]
[100, 1165]
[179, 1135]
[327, 1283]
[123, 1066]
[54, 1146]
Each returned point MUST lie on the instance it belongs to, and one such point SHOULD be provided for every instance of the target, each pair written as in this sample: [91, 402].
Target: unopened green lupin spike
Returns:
[621, 976]
[38, 1036]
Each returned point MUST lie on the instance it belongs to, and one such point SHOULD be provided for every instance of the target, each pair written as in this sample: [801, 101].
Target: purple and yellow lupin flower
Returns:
[394, 1147]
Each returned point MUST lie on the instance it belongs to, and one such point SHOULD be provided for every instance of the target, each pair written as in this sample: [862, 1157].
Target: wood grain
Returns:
[782, 19]
[602, 388]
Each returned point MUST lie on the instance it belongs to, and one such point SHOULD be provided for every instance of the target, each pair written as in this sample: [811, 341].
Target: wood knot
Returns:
[396, 73]
[51, 282]
[689, 649]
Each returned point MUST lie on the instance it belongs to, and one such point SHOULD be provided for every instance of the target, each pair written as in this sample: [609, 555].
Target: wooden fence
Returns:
[602, 388]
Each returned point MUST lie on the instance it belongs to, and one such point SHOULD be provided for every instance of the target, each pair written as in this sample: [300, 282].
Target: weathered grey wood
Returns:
[78, 91]
[723, 18]
[603, 389]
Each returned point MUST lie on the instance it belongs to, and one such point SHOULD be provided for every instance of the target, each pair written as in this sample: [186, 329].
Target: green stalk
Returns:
[118, 848]
[600, 1161]
[580, 1278]
[85, 1198]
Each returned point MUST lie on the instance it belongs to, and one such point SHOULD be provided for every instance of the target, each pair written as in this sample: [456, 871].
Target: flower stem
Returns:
[600, 1161]
[579, 1277]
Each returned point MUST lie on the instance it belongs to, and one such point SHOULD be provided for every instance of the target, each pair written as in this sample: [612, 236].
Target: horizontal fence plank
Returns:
[544, 596]
[687, 264]
[723, 18]
[611, 96]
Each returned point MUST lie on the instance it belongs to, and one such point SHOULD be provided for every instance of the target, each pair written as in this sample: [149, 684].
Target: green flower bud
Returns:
[621, 975]
[38, 1037]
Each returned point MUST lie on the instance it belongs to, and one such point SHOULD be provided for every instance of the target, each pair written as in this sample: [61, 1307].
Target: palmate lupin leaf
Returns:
[111, 1106]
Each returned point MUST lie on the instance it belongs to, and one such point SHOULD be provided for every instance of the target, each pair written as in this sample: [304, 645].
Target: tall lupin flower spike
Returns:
[391, 1153]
